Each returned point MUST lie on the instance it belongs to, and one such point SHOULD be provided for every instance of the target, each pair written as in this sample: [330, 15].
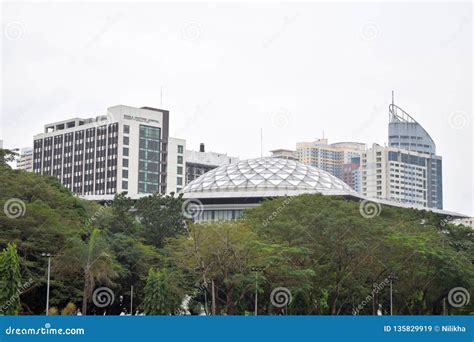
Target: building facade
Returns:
[200, 162]
[25, 159]
[395, 174]
[284, 154]
[129, 149]
[406, 133]
[335, 158]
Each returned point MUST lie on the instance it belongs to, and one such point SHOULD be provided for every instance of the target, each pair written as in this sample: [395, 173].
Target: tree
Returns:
[6, 156]
[93, 260]
[161, 217]
[225, 253]
[10, 281]
[161, 297]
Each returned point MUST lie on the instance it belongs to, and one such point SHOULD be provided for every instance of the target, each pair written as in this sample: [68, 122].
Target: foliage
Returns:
[319, 247]
[161, 297]
[10, 281]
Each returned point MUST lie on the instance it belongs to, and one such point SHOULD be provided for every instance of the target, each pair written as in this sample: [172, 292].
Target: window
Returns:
[149, 159]
[125, 151]
[180, 149]
[124, 173]
[126, 140]
[125, 162]
[125, 185]
[126, 129]
[179, 181]
[180, 159]
[180, 170]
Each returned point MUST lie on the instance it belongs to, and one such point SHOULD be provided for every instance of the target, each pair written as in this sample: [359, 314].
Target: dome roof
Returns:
[265, 177]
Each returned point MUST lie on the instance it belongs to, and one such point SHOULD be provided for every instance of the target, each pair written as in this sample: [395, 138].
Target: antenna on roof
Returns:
[161, 98]
[261, 142]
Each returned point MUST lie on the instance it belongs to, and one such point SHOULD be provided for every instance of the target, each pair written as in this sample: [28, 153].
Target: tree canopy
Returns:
[320, 251]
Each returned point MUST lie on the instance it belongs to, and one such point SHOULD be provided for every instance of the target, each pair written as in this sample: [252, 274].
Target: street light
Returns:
[391, 277]
[47, 255]
[256, 270]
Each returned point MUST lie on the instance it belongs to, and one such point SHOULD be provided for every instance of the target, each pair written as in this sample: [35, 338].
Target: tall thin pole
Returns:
[261, 142]
[391, 298]
[213, 299]
[161, 98]
[131, 300]
[393, 97]
[256, 293]
[47, 286]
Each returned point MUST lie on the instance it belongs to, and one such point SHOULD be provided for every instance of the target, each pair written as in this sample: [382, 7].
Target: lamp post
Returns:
[47, 255]
[256, 270]
[391, 277]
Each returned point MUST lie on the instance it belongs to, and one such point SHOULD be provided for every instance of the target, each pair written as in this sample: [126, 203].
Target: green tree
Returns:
[161, 297]
[226, 254]
[93, 260]
[10, 281]
[161, 217]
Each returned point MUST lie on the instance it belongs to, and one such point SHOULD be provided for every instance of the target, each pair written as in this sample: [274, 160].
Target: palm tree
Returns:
[93, 260]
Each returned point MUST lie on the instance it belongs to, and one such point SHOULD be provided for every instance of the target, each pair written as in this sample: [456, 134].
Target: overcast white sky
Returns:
[228, 70]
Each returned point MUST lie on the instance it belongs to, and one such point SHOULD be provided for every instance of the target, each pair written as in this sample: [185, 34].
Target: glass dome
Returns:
[265, 177]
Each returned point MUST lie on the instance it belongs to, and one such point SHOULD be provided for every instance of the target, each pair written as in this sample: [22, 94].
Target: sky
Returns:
[226, 71]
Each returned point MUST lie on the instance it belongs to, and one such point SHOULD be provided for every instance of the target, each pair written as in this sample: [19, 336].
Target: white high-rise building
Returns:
[129, 149]
[339, 159]
[395, 174]
[25, 159]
